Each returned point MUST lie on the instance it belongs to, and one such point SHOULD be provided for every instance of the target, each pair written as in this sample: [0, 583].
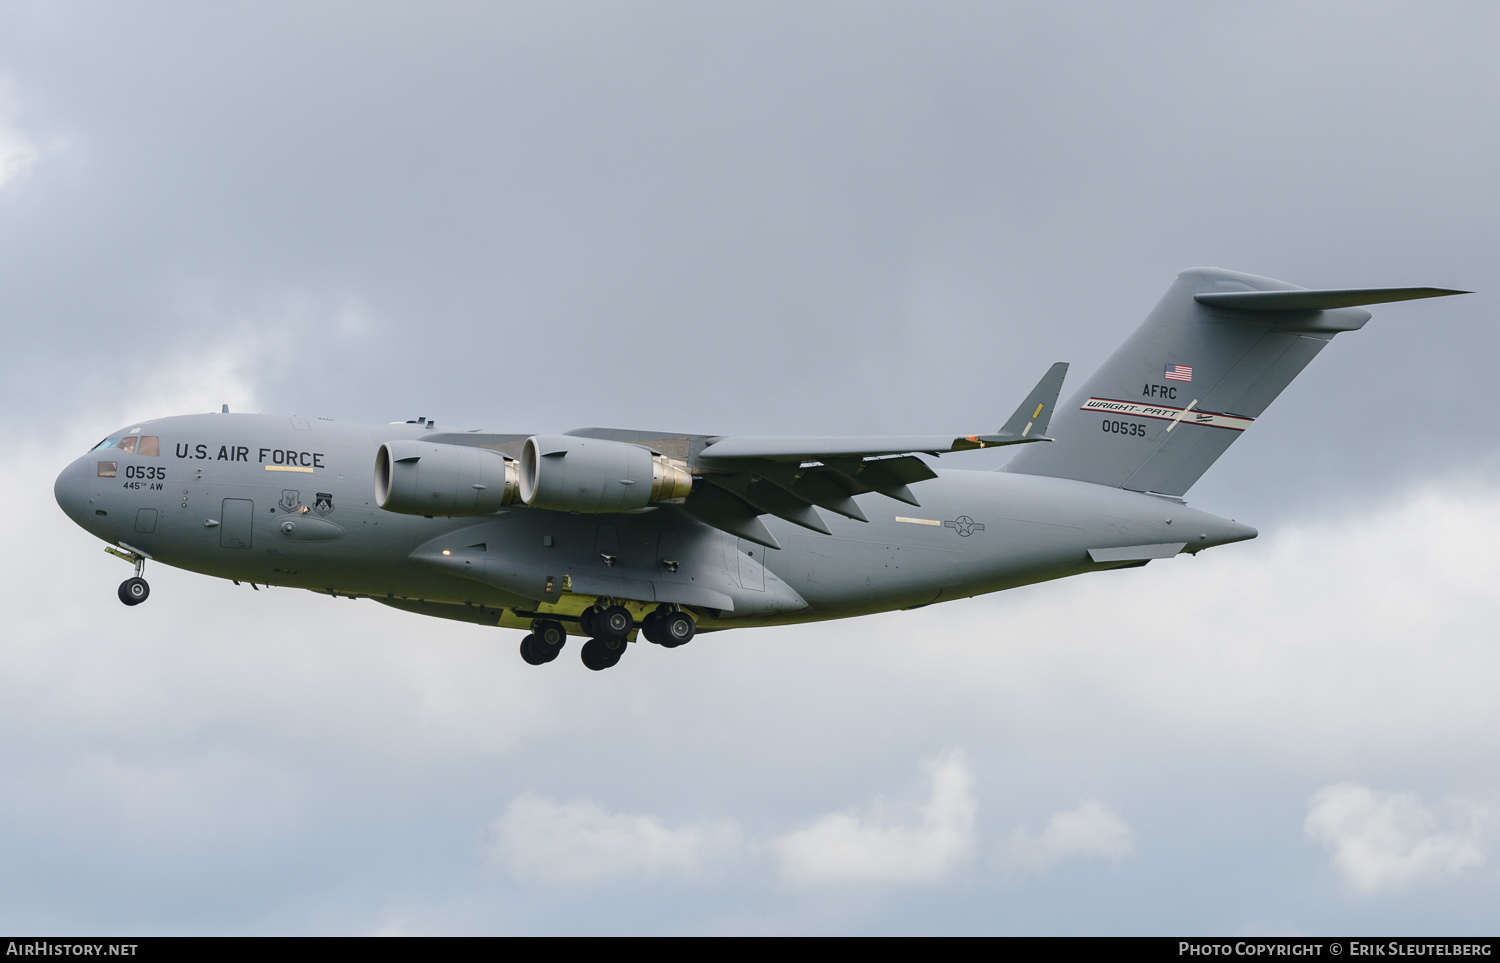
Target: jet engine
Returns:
[423, 478]
[571, 474]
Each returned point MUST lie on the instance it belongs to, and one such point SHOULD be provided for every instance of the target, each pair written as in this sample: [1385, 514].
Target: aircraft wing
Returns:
[745, 477]
[850, 446]
[1026, 425]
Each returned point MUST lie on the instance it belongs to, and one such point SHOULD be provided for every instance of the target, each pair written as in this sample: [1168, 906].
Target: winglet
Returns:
[1029, 423]
[1036, 411]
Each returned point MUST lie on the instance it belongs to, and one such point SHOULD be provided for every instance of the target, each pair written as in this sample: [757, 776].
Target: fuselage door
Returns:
[235, 522]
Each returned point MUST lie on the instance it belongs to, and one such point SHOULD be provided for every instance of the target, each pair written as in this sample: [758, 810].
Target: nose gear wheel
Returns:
[134, 591]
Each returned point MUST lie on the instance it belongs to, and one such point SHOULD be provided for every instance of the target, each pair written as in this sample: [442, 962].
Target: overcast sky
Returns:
[759, 218]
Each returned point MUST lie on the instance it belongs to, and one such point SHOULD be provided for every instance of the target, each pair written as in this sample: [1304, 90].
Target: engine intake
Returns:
[567, 473]
[422, 478]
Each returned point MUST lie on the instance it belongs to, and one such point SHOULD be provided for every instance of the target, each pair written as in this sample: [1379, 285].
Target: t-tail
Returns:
[1213, 354]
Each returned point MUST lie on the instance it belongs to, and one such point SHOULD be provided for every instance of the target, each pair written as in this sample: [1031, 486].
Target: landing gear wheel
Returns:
[530, 654]
[544, 643]
[586, 620]
[677, 628]
[599, 654]
[613, 624]
[134, 591]
[550, 634]
[651, 627]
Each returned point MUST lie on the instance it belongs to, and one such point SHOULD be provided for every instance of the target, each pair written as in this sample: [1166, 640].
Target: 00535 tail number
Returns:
[1124, 428]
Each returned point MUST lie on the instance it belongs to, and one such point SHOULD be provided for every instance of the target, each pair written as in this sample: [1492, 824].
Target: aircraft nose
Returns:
[71, 490]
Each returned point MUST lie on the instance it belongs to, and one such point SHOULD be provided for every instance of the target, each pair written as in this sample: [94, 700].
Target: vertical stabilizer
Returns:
[1213, 354]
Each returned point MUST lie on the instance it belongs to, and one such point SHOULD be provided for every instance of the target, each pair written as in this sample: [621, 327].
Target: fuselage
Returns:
[291, 502]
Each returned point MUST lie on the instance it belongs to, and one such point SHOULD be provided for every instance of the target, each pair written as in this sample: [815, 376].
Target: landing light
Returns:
[446, 552]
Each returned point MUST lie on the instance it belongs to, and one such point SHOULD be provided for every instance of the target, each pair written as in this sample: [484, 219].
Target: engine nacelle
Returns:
[567, 473]
[422, 478]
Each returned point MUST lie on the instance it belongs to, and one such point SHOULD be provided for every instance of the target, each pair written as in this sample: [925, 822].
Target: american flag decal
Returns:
[1178, 372]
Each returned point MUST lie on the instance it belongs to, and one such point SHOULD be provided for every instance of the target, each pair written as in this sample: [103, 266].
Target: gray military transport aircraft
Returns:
[606, 533]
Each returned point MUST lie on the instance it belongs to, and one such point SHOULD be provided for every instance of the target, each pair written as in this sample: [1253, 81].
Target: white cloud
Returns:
[581, 842]
[1389, 840]
[1088, 832]
[847, 847]
[1249, 643]
[17, 153]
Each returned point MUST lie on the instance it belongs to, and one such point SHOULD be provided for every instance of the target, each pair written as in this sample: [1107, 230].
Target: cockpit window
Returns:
[148, 445]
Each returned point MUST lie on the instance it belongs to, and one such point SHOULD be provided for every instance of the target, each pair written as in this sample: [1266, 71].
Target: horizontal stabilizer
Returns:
[1301, 300]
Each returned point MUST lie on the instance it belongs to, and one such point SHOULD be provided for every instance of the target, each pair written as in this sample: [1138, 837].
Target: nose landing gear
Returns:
[133, 591]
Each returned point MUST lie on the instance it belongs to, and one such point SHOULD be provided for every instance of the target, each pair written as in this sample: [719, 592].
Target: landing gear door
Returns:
[752, 574]
[235, 522]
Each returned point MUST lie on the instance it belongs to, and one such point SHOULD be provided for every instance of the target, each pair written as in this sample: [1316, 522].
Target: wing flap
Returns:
[715, 507]
[818, 487]
[889, 476]
[771, 499]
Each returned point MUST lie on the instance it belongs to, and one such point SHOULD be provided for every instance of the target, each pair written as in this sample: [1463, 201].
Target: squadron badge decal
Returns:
[324, 504]
[290, 501]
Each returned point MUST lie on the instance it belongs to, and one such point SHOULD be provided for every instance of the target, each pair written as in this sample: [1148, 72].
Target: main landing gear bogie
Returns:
[600, 654]
[610, 628]
[668, 627]
[612, 622]
[544, 643]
